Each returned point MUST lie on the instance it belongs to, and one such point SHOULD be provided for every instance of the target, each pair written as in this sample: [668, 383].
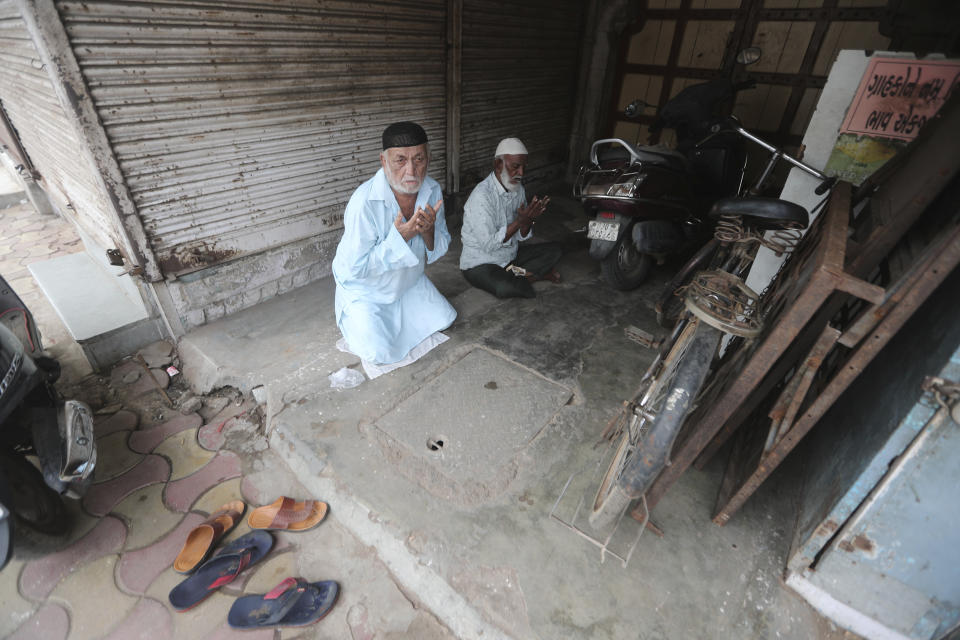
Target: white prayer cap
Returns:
[510, 146]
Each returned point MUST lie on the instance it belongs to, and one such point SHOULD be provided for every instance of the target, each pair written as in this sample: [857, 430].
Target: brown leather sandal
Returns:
[287, 514]
[204, 537]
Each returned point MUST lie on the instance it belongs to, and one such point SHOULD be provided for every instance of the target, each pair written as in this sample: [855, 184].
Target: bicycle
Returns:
[716, 301]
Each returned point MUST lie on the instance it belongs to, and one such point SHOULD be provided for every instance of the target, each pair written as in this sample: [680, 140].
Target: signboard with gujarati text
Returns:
[896, 97]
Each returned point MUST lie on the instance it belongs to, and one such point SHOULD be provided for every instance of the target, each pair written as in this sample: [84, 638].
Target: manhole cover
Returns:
[469, 423]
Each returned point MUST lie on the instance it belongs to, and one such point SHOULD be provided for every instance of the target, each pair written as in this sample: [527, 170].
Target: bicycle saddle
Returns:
[763, 213]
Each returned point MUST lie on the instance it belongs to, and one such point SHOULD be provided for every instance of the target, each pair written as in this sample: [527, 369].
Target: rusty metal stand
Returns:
[816, 282]
[754, 458]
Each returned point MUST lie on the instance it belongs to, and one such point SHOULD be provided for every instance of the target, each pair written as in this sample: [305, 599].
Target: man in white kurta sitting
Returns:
[496, 218]
[387, 310]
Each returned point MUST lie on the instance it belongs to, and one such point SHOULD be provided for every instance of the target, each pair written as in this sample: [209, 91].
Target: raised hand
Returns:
[529, 213]
[427, 218]
[407, 228]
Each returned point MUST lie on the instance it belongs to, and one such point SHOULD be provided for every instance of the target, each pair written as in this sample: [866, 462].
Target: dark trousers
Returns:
[537, 259]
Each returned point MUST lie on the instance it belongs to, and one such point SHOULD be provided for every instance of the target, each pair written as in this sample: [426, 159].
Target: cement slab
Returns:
[501, 566]
[465, 427]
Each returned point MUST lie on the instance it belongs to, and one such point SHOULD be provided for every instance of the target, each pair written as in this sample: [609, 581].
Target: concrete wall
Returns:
[206, 295]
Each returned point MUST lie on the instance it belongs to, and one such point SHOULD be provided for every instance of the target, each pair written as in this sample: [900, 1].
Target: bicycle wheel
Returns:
[641, 415]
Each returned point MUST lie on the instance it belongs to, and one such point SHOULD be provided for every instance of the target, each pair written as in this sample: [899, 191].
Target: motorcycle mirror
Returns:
[749, 55]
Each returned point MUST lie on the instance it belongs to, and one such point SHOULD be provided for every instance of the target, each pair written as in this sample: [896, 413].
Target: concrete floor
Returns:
[467, 531]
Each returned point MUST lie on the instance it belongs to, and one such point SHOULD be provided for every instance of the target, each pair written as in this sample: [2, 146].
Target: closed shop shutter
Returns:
[520, 66]
[48, 137]
[243, 126]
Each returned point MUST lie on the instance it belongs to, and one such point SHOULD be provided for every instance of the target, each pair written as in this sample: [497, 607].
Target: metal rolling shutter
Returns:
[242, 126]
[520, 65]
[48, 137]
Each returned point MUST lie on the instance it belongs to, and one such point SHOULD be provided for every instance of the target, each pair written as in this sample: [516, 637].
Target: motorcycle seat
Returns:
[763, 213]
[664, 157]
[661, 157]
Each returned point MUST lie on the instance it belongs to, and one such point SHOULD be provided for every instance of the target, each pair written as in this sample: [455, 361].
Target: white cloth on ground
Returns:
[376, 370]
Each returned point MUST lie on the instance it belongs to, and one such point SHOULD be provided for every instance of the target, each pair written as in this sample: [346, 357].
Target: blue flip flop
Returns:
[292, 603]
[221, 569]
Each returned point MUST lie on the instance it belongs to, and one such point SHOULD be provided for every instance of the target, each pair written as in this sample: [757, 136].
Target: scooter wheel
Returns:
[35, 505]
[625, 268]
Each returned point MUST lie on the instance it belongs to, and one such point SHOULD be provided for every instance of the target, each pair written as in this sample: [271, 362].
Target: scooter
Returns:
[36, 423]
[647, 202]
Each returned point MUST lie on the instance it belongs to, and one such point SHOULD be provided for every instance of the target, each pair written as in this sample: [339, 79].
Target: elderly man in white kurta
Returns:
[496, 218]
[386, 308]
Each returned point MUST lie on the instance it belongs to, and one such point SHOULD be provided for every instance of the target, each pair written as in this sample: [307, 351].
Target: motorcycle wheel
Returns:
[625, 268]
[610, 500]
[35, 505]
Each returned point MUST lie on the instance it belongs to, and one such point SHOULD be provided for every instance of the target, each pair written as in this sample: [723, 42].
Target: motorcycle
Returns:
[647, 202]
[36, 423]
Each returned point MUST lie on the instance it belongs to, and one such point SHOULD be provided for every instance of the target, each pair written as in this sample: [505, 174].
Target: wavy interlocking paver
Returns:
[212, 435]
[39, 577]
[217, 496]
[102, 497]
[94, 601]
[122, 420]
[184, 454]
[145, 440]
[50, 622]
[140, 568]
[273, 570]
[199, 622]
[140, 383]
[114, 457]
[147, 518]
[181, 494]
[16, 608]
[149, 620]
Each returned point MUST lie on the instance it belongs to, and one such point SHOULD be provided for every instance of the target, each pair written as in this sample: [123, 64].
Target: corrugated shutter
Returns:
[242, 126]
[46, 134]
[520, 66]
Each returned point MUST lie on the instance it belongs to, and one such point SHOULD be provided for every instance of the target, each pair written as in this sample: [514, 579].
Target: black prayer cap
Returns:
[403, 134]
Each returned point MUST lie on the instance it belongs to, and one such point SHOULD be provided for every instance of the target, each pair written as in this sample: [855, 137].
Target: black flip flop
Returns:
[292, 603]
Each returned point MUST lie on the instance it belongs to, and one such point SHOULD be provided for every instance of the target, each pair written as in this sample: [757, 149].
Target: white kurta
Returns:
[385, 305]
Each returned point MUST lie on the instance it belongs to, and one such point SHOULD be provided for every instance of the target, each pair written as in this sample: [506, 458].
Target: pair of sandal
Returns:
[284, 514]
[211, 571]
[292, 603]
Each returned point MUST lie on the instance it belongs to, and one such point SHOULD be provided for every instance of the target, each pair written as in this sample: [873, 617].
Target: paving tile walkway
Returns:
[156, 481]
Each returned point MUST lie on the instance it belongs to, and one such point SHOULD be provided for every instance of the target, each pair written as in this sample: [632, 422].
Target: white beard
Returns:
[400, 187]
[508, 183]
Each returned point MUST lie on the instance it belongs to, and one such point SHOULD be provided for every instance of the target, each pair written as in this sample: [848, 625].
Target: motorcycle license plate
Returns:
[597, 230]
